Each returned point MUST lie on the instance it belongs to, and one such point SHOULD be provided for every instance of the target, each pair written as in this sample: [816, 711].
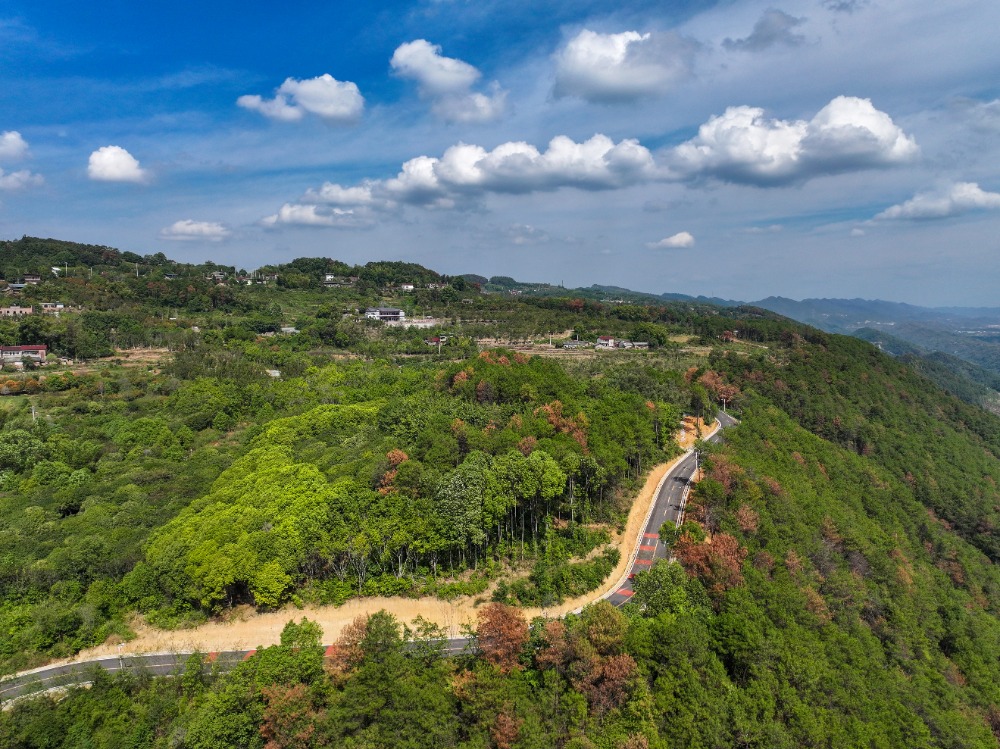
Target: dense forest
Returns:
[835, 583]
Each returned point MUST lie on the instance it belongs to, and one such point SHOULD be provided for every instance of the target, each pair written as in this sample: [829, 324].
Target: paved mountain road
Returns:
[669, 504]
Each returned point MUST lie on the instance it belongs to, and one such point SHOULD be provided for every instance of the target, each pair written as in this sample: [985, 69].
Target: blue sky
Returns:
[740, 149]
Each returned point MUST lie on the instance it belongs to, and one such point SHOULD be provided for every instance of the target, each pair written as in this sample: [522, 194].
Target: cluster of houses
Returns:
[607, 342]
[28, 279]
[397, 317]
[46, 308]
[16, 356]
[333, 281]
[219, 278]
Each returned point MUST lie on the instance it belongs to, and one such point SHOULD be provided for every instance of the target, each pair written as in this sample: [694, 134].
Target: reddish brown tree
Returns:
[502, 635]
[557, 652]
[636, 741]
[605, 682]
[717, 564]
[725, 472]
[396, 456]
[527, 445]
[507, 728]
[346, 652]
[290, 718]
[747, 519]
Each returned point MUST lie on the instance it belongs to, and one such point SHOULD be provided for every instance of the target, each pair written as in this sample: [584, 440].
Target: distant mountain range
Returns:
[956, 347]
[847, 315]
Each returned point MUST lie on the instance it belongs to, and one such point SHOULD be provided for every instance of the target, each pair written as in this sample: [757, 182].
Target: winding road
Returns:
[669, 504]
[671, 498]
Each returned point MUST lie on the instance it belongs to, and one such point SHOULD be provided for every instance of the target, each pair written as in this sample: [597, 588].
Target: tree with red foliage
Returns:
[396, 456]
[527, 445]
[747, 518]
[507, 728]
[575, 427]
[557, 651]
[346, 652]
[502, 634]
[718, 564]
[290, 718]
[609, 684]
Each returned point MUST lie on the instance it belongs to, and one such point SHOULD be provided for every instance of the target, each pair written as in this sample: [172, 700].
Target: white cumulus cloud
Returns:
[466, 172]
[12, 146]
[744, 146]
[448, 83]
[518, 167]
[524, 234]
[299, 214]
[115, 164]
[192, 231]
[334, 194]
[953, 200]
[620, 67]
[680, 240]
[741, 146]
[324, 96]
[423, 62]
[19, 180]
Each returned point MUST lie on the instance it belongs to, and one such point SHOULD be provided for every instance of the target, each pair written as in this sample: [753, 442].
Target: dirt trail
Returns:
[254, 630]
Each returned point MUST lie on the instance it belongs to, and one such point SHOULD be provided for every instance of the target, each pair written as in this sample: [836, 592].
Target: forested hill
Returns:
[963, 379]
[836, 581]
[970, 334]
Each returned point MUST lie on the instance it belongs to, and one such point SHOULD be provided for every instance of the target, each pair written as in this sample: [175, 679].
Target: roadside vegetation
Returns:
[836, 580]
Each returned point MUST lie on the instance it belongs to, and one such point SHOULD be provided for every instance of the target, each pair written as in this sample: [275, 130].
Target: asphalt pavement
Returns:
[668, 505]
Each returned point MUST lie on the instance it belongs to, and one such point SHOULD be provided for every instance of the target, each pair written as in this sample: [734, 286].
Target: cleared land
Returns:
[246, 629]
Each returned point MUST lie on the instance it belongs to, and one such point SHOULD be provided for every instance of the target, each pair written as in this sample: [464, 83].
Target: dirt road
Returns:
[248, 629]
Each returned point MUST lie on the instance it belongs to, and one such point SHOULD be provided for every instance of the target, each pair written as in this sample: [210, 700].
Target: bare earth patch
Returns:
[245, 629]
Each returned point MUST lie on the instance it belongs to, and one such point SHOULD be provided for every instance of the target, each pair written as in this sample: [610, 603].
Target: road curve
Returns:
[669, 504]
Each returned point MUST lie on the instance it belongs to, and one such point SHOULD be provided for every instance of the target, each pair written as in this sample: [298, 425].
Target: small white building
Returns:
[385, 314]
[21, 353]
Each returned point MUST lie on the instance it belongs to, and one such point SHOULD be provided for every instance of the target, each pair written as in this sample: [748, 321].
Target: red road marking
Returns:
[647, 548]
[248, 655]
[624, 592]
[643, 561]
[650, 535]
